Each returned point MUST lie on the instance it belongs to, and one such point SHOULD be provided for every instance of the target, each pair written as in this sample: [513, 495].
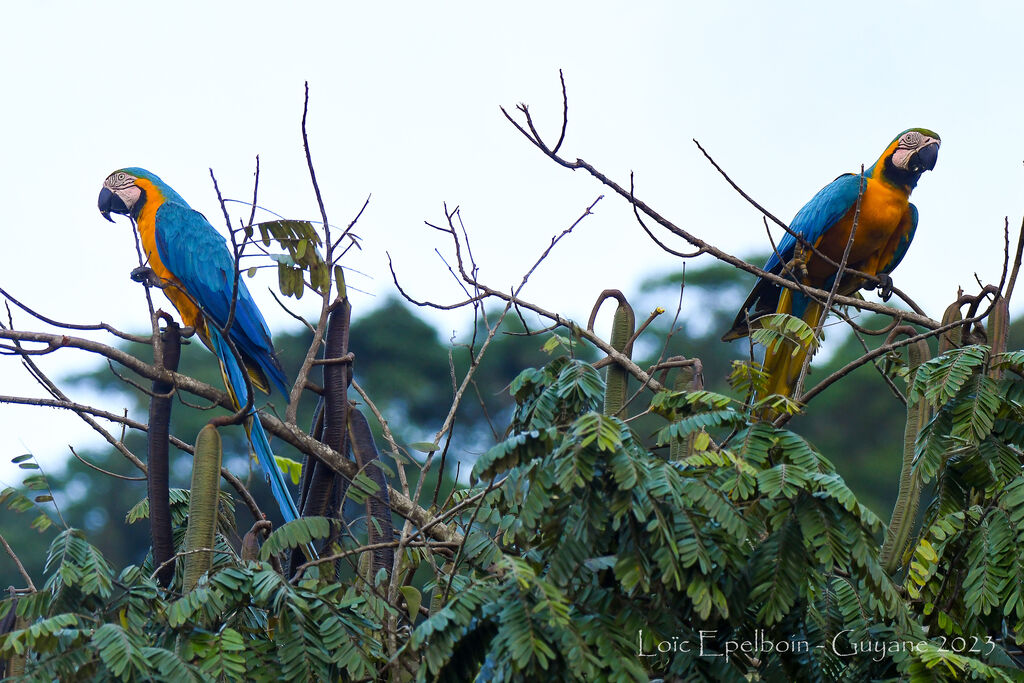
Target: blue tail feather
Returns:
[235, 380]
[278, 487]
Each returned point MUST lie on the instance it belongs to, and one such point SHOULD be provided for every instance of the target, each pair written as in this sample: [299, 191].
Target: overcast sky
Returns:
[404, 106]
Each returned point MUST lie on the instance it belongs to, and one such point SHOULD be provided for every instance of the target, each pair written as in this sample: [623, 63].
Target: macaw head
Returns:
[910, 154]
[126, 190]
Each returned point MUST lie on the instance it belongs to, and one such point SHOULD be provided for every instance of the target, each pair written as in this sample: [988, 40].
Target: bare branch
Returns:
[290, 312]
[881, 350]
[565, 113]
[351, 225]
[1016, 263]
[17, 562]
[914, 318]
[71, 326]
[115, 475]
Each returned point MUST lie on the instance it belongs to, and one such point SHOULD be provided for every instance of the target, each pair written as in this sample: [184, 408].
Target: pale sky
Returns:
[404, 106]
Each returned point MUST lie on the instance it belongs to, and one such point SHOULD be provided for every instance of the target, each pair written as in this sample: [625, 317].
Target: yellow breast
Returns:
[146, 221]
[883, 209]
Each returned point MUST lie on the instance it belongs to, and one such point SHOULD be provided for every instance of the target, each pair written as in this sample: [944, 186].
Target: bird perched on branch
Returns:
[191, 262]
[876, 209]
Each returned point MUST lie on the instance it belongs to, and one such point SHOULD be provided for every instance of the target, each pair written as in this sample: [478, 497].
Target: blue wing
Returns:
[199, 258]
[901, 248]
[197, 254]
[811, 222]
[818, 215]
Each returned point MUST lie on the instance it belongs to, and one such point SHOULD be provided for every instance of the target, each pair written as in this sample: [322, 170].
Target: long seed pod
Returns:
[309, 466]
[336, 381]
[202, 507]
[909, 497]
[998, 332]
[623, 327]
[320, 482]
[316, 430]
[380, 528]
[157, 482]
[250, 547]
[952, 338]
[688, 378]
[15, 666]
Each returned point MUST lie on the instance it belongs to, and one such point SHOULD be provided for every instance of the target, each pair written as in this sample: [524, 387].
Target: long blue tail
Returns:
[235, 382]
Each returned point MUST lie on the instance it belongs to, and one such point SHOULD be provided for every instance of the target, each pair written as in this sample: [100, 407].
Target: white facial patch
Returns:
[901, 157]
[118, 180]
[129, 195]
[912, 139]
[123, 185]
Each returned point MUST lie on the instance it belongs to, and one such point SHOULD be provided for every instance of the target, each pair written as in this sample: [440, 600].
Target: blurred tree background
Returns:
[404, 364]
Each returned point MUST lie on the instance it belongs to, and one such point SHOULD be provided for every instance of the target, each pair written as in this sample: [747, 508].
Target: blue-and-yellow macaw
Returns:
[197, 273]
[885, 224]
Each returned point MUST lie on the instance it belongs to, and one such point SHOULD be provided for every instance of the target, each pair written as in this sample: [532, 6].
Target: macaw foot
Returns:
[884, 286]
[146, 276]
[798, 266]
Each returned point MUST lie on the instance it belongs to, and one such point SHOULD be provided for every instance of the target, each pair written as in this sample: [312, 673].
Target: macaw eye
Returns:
[912, 139]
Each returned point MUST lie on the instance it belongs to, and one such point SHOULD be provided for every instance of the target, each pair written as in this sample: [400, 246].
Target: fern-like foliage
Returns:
[965, 569]
[593, 552]
[607, 551]
[242, 622]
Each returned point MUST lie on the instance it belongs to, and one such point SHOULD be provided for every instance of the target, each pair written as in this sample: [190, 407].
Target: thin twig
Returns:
[1016, 263]
[914, 318]
[883, 349]
[291, 413]
[21, 567]
[183, 553]
[99, 469]
[72, 326]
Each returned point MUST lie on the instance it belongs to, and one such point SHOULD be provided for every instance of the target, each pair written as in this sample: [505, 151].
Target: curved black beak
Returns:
[925, 158]
[110, 203]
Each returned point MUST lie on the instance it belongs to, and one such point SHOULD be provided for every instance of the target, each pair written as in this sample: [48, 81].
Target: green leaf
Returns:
[513, 451]
[362, 488]
[292, 468]
[975, 409]
[339, 280]
[282, 259]
[413, 599]
[297, 533]
[941, 378]
[776, 329]
[784, 480]
[122, 654]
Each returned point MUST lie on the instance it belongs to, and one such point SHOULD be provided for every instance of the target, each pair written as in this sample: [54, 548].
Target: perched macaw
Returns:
[197, 273]
[886, 223]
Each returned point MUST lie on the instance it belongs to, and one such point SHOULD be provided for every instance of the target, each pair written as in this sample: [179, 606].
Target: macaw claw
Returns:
[884, 286]
[146, 276]
[798, 264]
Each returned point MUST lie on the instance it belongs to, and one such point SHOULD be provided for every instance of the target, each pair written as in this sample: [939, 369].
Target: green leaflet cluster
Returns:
[243, 622]
[965, 569]
[593, 551]
[605, 550]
